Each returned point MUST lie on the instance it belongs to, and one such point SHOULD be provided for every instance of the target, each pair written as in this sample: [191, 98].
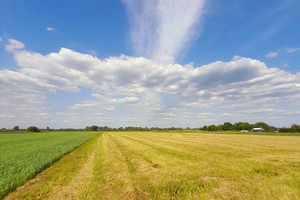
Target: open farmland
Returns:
[158, 165]
[23, 155]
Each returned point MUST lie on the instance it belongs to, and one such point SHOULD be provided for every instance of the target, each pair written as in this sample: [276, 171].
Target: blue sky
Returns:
[151, 63]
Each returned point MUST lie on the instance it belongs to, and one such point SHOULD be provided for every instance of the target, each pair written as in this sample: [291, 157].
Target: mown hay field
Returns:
[23, 155]
[169, 165]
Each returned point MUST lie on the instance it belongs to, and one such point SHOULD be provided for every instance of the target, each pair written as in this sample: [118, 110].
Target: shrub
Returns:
[33, 129]
[285, 130]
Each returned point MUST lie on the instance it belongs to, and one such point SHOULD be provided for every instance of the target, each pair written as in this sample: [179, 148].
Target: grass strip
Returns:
[23, 156]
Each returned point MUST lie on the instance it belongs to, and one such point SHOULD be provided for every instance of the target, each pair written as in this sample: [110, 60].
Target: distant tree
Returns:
[104, 128]
[33, 129]
[243, 126]
[16, 128]
[227, 126]
[212, 128]
[48, 129]
[204, 128]
[285, 130]
[94, 128]
[295, 128]
[220, 127]
[237, 126]
[262, 125]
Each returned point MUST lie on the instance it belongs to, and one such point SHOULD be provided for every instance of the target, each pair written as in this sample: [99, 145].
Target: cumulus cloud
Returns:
[137, 87]
[272, 55]
[161, 28]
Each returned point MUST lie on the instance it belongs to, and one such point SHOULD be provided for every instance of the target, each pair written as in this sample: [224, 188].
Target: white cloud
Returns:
[6, 116]
[226, 114]
[129, 100]
[262, 110]
[50, 29]
[272, 55]
[0, 39]
[161, 28]
[92, 52]
[291, 50]
[137, 87]
[14, 45]
[203, 115]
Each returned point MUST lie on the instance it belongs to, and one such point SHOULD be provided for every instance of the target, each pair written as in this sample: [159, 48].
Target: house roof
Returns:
[256, 129]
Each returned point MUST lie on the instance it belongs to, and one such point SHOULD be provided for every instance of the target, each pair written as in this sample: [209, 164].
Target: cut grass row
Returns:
[173, 165]
[193, 166]
[24, 155]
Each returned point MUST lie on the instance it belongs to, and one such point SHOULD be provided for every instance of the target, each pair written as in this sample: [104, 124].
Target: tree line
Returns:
[239, 126]
[227, 126]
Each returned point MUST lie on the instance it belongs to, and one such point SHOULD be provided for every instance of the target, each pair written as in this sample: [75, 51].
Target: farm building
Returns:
[257, 130]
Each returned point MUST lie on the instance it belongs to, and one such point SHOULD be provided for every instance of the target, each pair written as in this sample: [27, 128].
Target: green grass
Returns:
[23, 155]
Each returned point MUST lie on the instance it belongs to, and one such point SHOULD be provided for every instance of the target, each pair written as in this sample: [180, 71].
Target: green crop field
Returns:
[23, 155]
[172, 165]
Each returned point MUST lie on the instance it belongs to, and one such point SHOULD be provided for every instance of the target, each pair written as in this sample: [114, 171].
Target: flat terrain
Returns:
[158, 165]
[23, 155]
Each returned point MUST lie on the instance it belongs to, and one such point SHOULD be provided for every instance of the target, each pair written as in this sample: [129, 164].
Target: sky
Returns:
[156, 63]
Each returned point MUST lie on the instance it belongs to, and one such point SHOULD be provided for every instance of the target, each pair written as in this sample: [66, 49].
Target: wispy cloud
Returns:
[14, 45]
[161, 28]
[6, 116]
[50, 29]
[272, 55]
[291, 50]
[92, 52]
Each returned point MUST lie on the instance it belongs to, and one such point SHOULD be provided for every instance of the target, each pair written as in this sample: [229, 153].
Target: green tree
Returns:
[212, 128]
[237, 126]
[94, 128]
[16, 128]
[220, 127]
[33, 129]
[227, 126]
[243, 126]
[295, 128]
[262, 125]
